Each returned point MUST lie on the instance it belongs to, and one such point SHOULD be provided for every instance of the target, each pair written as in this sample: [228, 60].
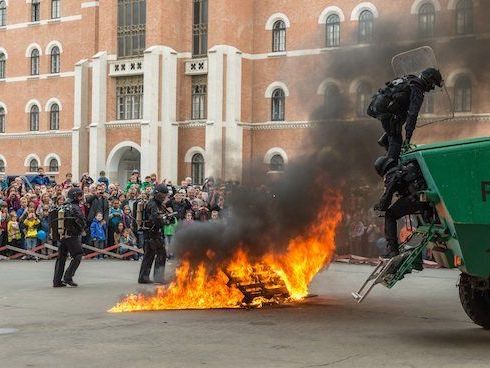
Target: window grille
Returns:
[35, 11]
[55, 59]
[333, 30]
[35, 62]
[199, 97]
[131, 27]
[200, 28]
[129, 96]
[55, 9]
[2, 120]
[366, 26]
[3, 13]
[464, 17]
[54, 117]
[278, 105]
[197, 169]
[33, 165]
[279, 36]
[427, 19]
[277, 163]
[3, 64]
[54, 165]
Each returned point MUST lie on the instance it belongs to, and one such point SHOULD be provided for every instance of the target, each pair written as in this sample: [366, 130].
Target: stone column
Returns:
[170, 132]
[97, 152]
[79, 138]
[149, 126]
[234, 133]
[214, 127]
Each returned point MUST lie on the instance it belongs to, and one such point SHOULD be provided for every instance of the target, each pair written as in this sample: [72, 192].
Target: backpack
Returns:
[391, 99]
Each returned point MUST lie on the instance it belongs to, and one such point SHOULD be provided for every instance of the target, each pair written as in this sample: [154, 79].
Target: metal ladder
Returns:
[389, 271]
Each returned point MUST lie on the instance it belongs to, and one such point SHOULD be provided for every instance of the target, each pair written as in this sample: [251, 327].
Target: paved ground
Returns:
[418, 324]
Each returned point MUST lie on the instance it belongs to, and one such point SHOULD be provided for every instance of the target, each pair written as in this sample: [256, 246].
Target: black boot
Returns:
[391, 251]
[383, 141]
[70, 271]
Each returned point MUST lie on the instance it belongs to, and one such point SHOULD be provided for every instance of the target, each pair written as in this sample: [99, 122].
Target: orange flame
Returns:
[210, 287]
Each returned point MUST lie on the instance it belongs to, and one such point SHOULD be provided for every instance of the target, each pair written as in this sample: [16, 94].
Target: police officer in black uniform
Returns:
[69, 237]
[400, 102]
[155, 216]
[407, 181]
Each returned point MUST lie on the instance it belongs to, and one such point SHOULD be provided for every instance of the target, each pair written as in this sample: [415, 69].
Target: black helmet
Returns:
[432, 77]
[160, 188]
[383, 164]
[74, 195]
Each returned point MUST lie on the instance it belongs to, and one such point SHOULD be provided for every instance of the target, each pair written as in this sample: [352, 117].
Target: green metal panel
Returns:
[459, 172]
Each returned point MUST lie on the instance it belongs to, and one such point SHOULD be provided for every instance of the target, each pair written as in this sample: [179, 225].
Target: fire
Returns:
[245, 281]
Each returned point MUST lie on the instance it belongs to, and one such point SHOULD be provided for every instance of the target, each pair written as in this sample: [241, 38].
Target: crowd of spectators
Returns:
[110, 209]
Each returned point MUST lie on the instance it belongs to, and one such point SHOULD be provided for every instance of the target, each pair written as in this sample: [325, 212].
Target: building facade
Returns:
[216, 87]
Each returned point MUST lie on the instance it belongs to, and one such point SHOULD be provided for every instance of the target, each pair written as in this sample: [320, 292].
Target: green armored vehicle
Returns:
[457, 178]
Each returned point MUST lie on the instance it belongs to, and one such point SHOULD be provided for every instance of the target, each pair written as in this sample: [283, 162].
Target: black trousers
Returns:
[402, 207]
[392, 125]
[154, 248]
[73, 246]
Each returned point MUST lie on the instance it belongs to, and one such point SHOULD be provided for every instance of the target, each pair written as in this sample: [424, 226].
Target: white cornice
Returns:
[35, 135]
[26, 78]
[43, 22]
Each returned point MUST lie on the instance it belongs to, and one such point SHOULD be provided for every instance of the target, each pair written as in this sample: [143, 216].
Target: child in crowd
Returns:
[115, 217]
[189, 218]
[13, 231]
[127, 238]
[97, 231]
[127, 218]
[31, 222]
[214, 217]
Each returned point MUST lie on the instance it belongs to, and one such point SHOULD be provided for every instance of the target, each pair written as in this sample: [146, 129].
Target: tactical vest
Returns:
[393, 99]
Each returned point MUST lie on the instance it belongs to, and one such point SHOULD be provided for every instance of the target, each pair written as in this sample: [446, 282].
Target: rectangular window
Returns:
[55, 9]
[129, 98]
[200, 28]
[35, 11]
[199, 97]
[131, 27]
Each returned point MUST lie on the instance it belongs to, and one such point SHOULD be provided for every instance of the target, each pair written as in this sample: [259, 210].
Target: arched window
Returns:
[3, 13]
[464, 17]
[197, 169]
[363, 98]
[427, 19]
[462, 94]
[55, 59]
[332, 101]
[54, 166]
[2, 120]
[33, 165]
[278, 103]
[54, 117]
[333, 30]
[3, 64]
[2, 166]
[34, 119]
[35, 62]
[55, 9]
[279, 36]
[277, 163]
[35, 11]
[366, 26]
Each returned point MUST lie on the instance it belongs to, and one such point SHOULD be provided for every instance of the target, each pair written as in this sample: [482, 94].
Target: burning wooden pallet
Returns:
[261, 285]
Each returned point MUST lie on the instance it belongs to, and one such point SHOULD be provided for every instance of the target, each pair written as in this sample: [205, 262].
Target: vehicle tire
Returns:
[475, 302]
